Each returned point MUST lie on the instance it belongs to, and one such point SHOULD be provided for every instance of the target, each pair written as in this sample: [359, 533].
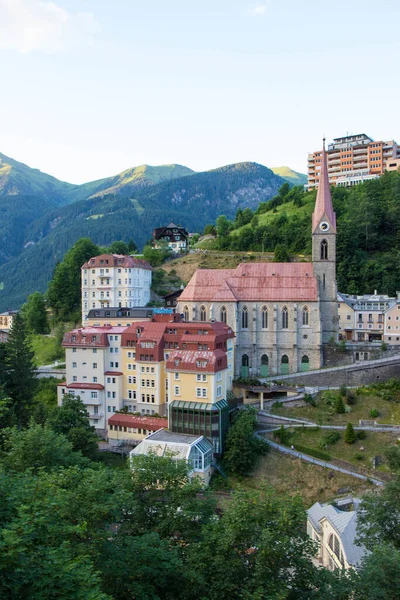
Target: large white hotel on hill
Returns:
[114, 280]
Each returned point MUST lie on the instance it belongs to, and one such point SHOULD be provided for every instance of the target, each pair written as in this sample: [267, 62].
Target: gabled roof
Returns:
[138, 422]
[256, 282]
[345, 525]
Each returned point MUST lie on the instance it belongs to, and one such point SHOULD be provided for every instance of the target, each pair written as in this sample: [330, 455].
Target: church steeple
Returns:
[323, 210]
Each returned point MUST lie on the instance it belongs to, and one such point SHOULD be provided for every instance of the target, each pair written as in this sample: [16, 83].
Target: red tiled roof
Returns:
[116, 260]
[92, 337]
[188, 360]
[259, 282]
[85, 386]
[153, 423]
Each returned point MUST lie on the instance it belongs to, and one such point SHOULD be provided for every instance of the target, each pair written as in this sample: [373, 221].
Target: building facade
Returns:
[114, 280]
[353, 159]
[176, 237]
[365, 318]
[281, 313]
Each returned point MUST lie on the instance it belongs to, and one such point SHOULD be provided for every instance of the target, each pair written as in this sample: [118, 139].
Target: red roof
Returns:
[113, 373]
[258, 282]
[188, 361]
[116, 260]
[85, 386]
[323, 205]
[153, 423]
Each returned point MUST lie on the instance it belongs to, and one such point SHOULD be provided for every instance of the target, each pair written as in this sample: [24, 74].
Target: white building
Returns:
[196, 450]
[94, 371]
[114, 280]
[334, 530]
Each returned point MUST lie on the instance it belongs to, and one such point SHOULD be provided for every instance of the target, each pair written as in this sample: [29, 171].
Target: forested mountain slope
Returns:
[192, 201]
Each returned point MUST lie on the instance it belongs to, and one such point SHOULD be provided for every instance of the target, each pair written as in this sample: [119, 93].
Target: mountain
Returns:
[289, 175]
[17, 179]
[127, 181]
[193, 201]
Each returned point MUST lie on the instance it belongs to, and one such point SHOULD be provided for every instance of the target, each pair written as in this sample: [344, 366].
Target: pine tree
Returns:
[35, 315]
[350, 435]
[20, 378]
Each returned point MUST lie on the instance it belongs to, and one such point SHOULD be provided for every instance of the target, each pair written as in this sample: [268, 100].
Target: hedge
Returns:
[312, 452]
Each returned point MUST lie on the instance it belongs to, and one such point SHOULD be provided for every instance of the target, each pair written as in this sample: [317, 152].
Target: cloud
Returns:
[260, 9]
[36, 25]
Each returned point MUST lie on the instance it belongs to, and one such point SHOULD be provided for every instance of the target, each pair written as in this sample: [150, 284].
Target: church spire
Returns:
[323, 205]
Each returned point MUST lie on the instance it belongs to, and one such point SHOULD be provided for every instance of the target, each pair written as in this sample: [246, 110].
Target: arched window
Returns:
[264, 317]
[285, 318]
[203, 313]
[245, 366]
[284, 364]
[334, 545]
[264, 365]
[186, 313]
[306, 315]
[324, 250]
[245, 318]
[223, 314]
[305, 363]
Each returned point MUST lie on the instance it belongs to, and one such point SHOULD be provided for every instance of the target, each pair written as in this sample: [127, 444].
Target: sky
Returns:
[89, 88]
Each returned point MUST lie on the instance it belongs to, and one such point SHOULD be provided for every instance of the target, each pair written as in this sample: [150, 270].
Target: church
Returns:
[282, 313]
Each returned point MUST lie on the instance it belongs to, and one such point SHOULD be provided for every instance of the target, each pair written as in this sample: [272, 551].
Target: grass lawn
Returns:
[46, 350]
[389, 412]
[374, 444]
[292, 476]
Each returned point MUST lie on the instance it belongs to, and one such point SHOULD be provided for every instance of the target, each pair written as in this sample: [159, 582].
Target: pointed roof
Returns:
[323, 205]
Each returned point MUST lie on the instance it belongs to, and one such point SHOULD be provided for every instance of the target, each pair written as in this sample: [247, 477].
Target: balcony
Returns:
[95, 416]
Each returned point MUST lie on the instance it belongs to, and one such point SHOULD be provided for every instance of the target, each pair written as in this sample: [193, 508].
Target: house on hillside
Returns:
[334, 530]
[177, 237]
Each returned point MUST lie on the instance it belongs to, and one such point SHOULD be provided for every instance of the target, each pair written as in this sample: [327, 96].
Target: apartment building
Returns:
[176, 237]
[93, 371]
[151, 366]
[6, 320]
[120, 316]
[353, 159]
[114, 280]
[392, 322]
[364, 318]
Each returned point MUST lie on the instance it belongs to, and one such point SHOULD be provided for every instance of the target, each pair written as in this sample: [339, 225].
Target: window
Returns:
[74, 365]
[73, 349]
[74, 378]
[305, 316]
[324, 250]
[264, 317]
[201, 377]
[223, 314]
[186, 313]
[93, 395]
[285, 318]
[203, 314]
[245, 318]
[94, 379]
[94, 365]
[177, 390]
[219, 391]
[176, 376]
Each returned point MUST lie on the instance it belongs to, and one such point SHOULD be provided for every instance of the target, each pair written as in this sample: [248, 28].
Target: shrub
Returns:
[332, 437]
[339, 406]
[283, 435]
[361, 435]
[374, 413]
[313, 452]
[350, 398]
[359, 456]
[384, 346]
[308, 399]
[350, 435]
[343, 390]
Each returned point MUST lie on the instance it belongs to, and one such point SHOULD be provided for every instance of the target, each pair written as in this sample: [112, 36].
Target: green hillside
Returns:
[192, 201]
[17, 179]
[289, 175]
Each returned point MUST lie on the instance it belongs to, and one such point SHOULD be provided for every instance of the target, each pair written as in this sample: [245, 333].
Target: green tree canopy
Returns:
[35, 314]
[242, 447]
[72, 420]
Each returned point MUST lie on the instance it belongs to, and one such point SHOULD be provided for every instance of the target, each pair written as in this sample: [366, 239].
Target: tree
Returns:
[72, 420]
[156, 256]
[393, 456]
[349, 434]
[132, 248]
[281, 253]
[209, 230]
[242, 447]
[20, 378]
[339, 405]
[378, 577]
[119, 248]
[223, 226]
[35, 314]
[64, 291]
[38, 447]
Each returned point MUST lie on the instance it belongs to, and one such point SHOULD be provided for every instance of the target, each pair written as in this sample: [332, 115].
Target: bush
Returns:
[332, 437]
[350, 398]
[313, 452]
[374, 413]
[361, 435]
[343, 390]
[350, 435]
[339, 406]
[283, 435]
[359, 456]
[308, 399]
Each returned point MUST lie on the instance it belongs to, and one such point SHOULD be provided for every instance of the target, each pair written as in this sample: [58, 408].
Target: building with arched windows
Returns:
[334, 530]
[282, 313]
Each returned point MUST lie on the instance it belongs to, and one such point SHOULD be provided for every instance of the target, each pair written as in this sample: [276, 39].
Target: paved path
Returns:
[315, 461]
[289, 422]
